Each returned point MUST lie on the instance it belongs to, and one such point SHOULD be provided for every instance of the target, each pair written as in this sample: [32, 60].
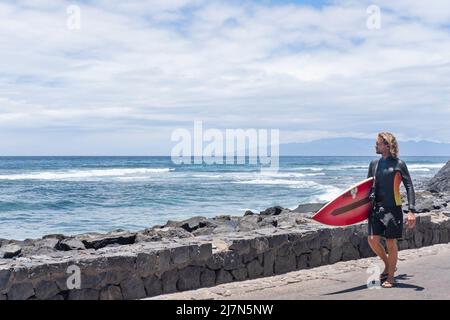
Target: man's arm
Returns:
[407, 182]
[370, 173]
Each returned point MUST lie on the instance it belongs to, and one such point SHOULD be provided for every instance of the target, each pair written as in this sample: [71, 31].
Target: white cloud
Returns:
[309, 71]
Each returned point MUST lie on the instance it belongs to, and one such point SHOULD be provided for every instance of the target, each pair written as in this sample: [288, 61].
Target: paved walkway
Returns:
[422, 274]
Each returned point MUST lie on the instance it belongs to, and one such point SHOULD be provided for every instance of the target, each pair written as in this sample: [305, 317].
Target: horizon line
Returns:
[169, 156]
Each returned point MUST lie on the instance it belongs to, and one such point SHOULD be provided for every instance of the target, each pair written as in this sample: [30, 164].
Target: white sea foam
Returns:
[309, 168]
[83, 174]
[412, 167]
[242, 176]
[295, 183]
[290, 174]
[210, 176]
[334, 167]
[329, 193]
[315, 174]
[348, 167]
[247, 209]
[133, 178]
[425, 167]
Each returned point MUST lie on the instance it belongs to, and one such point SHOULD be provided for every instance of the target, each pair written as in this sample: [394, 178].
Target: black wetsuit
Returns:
[387, 217]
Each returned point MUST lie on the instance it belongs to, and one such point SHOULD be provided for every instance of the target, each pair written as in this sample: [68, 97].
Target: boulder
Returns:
[111, 293]
[272, 211]
[255, 269]
[5, 276]
[224, 224]
[70, 244]
[4, 241]
[169, 281]
[153, 286]
[21, 291]
[208, 278]
[54, 236]
[180, 255]
[158, 234]
[203, 232]
[101, 241]
[424, 200]
[49, 243]
[284, 264]
[132, 288]
[268, 222]
[240, 274]
[349, 252]
[441, 181]
[146, 263]
[242, 246]
[269, 261]
[231, 260]
[191, 224]
[9, 251]
[83, 294]
[223, 276]
[222, 218]
[189, 278]
[248, 223]
[315, 258]
[308, 207]
[290, 220]
[43, 246]
[46, 289]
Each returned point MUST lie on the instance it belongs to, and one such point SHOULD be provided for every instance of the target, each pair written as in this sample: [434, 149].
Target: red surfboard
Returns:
[351, 207]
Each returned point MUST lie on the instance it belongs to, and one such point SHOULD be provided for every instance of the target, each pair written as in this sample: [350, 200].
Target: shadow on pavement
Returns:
[397, 285]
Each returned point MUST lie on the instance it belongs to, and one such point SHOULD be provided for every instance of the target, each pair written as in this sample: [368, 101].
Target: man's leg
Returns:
[393, 255]
[374, 243]
[394, 230]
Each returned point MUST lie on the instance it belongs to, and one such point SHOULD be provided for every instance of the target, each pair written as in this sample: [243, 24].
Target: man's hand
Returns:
[411, 220]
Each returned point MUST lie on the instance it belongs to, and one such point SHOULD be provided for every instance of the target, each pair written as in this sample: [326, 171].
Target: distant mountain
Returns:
[361, 147]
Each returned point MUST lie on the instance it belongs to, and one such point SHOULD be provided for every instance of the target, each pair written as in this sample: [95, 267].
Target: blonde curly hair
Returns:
[390, 140]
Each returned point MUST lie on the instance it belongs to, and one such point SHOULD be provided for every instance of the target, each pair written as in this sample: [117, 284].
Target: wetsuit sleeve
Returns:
[407, 182]
[370, 173]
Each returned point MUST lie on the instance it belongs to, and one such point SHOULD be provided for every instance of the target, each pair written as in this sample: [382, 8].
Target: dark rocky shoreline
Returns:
[434, 197]
[198, 252]
[274, 217]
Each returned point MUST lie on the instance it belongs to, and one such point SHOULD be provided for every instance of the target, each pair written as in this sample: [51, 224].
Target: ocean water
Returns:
[70, 195]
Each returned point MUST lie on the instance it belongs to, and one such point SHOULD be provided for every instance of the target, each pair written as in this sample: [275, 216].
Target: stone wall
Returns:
[151, 268]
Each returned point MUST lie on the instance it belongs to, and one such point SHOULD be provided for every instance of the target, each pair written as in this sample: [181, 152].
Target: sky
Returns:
[135, 71]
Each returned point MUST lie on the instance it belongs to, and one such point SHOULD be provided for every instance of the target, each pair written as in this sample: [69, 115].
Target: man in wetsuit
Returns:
[386, 219]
